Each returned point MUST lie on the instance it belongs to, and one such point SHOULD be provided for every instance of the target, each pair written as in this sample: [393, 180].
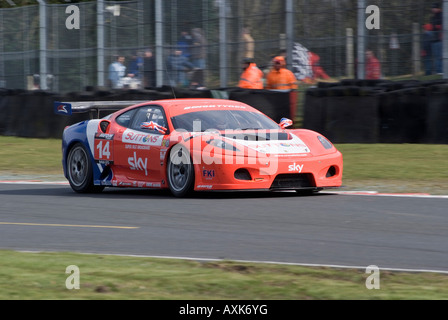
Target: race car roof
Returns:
[186, 105]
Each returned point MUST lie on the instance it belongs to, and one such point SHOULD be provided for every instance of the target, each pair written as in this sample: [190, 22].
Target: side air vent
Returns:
[103, 125]
[293, 181]
[331, 172]
[242, 174]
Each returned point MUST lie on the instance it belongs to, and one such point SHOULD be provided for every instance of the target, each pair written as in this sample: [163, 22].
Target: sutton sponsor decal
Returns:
[135, 137]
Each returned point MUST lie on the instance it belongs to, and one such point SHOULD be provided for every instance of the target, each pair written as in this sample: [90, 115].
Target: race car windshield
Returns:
[201, 121]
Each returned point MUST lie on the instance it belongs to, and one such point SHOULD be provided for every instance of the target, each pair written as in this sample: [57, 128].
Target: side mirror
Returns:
[285, 122]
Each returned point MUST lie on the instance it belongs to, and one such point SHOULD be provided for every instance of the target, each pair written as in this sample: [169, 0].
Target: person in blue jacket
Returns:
[177, 66]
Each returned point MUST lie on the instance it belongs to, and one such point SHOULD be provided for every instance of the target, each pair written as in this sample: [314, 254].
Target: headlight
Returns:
[222, 144]
[327, 144]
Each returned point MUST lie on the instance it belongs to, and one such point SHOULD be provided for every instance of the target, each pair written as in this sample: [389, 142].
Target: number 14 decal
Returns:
[104, 149]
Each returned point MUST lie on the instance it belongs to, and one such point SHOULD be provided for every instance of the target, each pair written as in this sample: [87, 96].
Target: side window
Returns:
[158, 117]
[145, 115]
[125, 119]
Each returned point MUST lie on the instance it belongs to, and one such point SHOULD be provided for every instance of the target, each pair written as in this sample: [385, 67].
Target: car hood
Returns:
[272, 145]
[268, 142]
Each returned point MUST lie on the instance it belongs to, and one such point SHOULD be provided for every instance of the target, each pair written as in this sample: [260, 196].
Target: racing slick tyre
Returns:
[80, 172]
[180, 171]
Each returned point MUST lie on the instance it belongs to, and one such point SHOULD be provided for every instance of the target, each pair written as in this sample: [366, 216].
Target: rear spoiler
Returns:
[94, 107]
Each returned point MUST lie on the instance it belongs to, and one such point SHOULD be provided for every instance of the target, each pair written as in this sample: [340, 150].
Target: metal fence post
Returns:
[2, 53]
[361, 39]
[159, 42]
[349, 56]
[222, 43]
[289, 29]
[445, 38]
[43, 44]
[416, 49]
[100, 42]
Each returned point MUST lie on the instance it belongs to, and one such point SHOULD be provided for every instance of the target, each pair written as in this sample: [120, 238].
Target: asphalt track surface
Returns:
[391, 232]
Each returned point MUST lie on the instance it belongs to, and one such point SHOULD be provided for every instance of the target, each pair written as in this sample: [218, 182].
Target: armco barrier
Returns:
[30, 113]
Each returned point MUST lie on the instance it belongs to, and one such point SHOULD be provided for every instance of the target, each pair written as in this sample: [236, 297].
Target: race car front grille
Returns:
[293, 181]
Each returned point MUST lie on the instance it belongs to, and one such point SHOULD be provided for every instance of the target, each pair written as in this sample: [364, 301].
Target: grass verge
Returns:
[411, 168]
[380, 167]
[36, 276]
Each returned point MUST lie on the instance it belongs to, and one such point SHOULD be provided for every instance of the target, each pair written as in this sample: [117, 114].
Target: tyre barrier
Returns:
[437, 115]
[352, 118]
[364, 111]
[30, 113]
[274, 104]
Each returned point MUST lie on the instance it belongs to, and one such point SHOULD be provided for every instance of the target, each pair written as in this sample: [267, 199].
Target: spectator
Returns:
[268, 66]
[117, 70]
[436, 47]
[185, 43]
[252, 76]
[373, 66]
[199, 48]
[280, 78]
[135, 66]
[149, 69]
[318, 71]
[426, 51]
[248, 43]
[283, 53]
[177, 67]
[196, 79]
[199, 53]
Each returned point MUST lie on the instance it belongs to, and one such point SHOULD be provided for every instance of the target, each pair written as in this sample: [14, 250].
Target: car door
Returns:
[137, 146]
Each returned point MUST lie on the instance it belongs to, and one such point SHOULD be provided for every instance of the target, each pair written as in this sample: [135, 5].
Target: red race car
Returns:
[191, 145]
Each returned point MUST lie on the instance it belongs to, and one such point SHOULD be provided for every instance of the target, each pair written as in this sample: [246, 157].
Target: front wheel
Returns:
[80, 171]
[180, 171]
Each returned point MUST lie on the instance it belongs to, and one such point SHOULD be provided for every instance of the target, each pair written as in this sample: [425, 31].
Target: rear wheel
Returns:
[180, 171]
[80, 172]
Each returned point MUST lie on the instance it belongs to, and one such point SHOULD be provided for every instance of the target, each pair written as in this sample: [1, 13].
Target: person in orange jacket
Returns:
[252, 76]
[279, 77]
[373, 66]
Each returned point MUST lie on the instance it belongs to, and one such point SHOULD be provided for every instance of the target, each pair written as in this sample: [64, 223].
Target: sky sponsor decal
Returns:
[137, 163]
[295, 167]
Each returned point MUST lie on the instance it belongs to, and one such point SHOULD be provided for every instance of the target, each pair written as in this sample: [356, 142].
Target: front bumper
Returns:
[291, 172]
